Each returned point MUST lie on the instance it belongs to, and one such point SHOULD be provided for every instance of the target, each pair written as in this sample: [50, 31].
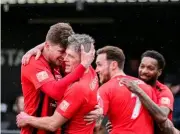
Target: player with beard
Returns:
[151, 67]
[122, 107]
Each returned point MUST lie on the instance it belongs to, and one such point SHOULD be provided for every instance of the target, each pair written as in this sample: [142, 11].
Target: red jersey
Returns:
[124, 109]
[33, 77]
[164, 97]
[79, 99]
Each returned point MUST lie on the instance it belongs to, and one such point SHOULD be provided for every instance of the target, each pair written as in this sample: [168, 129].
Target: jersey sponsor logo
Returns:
[42, 76]
[64, 105]
[165, 101]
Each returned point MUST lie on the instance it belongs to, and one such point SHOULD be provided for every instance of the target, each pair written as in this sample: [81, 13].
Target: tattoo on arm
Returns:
[158, 114]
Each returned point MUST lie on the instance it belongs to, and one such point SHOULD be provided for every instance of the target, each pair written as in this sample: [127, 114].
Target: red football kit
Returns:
[164, 98]
[124, 109]
[79, 99]
[38, 76]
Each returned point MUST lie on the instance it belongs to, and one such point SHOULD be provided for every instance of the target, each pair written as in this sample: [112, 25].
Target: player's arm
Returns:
[50, 123]
[168, 127]
[52, 88]
[159, 113]
[69, 106]
[43, 79]
[34, 51]
[56, 89]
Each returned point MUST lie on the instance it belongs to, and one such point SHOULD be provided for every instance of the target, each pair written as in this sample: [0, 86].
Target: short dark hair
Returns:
[113, 53]
[155, 55]
[59, 33]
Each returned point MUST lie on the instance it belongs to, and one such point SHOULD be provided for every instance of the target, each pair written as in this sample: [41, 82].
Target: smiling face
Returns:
[103, 68]
[55, 53]
[149, 70]
[72, 59]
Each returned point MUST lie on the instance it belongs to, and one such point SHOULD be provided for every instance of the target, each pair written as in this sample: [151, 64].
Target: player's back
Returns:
[126, 113]
[88, 94]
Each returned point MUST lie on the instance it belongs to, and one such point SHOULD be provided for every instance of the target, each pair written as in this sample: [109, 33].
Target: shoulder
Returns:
[164, 90]
[163, 87]
[147, 88]
[110, 87]
[33, 63]
[107, 85]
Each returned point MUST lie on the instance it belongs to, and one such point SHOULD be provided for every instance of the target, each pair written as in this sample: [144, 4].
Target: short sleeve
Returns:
[72, 101]
[166, 98]
[37, 73]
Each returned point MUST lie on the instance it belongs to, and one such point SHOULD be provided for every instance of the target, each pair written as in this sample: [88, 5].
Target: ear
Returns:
[159, 72]
[113, 65]
[47, 44]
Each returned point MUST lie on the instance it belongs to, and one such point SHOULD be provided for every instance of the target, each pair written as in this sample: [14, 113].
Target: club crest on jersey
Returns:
[64, 105]
[58, 77]
[93, 84]
[165, 100]
[42, 76]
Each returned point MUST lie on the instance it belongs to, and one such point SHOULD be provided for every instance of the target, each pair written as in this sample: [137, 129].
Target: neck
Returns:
[45, 55]
[117, 72]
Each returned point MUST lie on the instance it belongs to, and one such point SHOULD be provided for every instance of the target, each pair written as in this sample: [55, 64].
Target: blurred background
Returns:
[133, 25]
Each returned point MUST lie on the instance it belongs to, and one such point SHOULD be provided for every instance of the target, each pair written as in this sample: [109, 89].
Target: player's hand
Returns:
[166, 126]
[130, 84]
[21, 119]
[35, 51]
[87, 55]
[109, 126]
[93, 115]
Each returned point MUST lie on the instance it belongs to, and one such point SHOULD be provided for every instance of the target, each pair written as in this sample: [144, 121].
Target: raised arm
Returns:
[34, 51]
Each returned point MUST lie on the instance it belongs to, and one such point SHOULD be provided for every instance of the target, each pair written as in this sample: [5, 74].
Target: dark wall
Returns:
[135, 28]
